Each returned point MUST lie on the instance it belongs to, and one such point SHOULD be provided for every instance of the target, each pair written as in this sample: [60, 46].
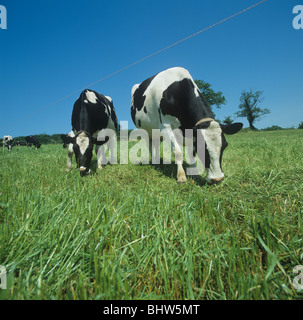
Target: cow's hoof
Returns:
[182, 180]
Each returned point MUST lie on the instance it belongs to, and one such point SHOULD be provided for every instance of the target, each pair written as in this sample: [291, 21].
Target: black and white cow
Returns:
[92, 112]
[171, 100]
[20, 144]
[8, 142]
[32, 141]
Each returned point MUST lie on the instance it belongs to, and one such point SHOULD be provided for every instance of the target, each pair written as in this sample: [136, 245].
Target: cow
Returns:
[70, 149]
[20, 143]
[92, 113]
[171, 100]
[32, 141]
[8, 142]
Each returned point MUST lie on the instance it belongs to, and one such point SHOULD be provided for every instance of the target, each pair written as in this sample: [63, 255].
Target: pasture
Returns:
[131, 232]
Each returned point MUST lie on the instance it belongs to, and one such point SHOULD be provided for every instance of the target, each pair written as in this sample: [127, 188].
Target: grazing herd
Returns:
[30, 141]
[169, 102]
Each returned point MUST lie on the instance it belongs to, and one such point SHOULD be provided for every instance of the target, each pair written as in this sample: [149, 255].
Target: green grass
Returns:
[131, 232]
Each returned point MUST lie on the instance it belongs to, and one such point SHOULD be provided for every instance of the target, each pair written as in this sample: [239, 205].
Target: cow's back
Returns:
[93, 112]
[168, 98]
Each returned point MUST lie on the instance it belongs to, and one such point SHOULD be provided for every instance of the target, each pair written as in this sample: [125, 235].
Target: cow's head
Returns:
[214, 143]
[83, 144]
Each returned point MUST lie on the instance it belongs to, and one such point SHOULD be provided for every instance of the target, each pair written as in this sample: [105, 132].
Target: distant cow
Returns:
[171, 100]
[92, 112]
[20, 143]
[8, 142]
[32, 141]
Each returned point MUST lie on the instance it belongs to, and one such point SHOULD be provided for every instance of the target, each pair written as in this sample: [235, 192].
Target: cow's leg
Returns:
[69, 158]
[100, 154]
[170, 138]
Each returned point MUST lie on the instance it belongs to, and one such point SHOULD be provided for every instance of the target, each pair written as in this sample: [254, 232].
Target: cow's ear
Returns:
[99, 142]
[231, 128]
[67, 139]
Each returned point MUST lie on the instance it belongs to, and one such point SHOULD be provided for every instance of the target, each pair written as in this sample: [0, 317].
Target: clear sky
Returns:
[54, 48]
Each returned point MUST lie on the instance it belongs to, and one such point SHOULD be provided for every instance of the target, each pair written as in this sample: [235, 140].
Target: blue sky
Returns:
[54, 48]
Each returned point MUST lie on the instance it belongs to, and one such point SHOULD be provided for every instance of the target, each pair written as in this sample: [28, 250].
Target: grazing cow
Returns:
[8, 142]
[20, 143]
[32, 141]
[92, 112]
[70, 149]
[171, 100]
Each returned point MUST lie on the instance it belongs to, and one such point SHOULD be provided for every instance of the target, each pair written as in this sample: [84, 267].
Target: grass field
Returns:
[131, 232]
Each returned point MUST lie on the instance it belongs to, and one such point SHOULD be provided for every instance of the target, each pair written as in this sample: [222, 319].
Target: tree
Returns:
[212, 97]
[300, 125]
[248, 107]
[228, 120]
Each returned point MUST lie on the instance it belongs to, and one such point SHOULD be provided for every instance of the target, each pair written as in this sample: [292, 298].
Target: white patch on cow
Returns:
[197, 91]
[91, 96]
[134, 88]
[213, 140]
[107, 109]
[83, 142]
[85, 101]
[109, 98]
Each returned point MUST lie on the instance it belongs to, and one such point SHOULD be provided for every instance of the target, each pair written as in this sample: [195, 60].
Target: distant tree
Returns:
[212, 97]
[228, 120]
[300, 125]
[248, 107]
[273, 128]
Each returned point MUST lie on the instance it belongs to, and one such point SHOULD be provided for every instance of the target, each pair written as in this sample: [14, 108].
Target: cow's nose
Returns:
[84, 171]
[216, 180]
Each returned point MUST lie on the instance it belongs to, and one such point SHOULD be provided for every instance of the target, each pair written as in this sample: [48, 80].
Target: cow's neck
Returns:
[85, 123]
[198, 114]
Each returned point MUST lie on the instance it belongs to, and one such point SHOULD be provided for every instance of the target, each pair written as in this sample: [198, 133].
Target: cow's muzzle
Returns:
[84, 171]
[216, 181]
